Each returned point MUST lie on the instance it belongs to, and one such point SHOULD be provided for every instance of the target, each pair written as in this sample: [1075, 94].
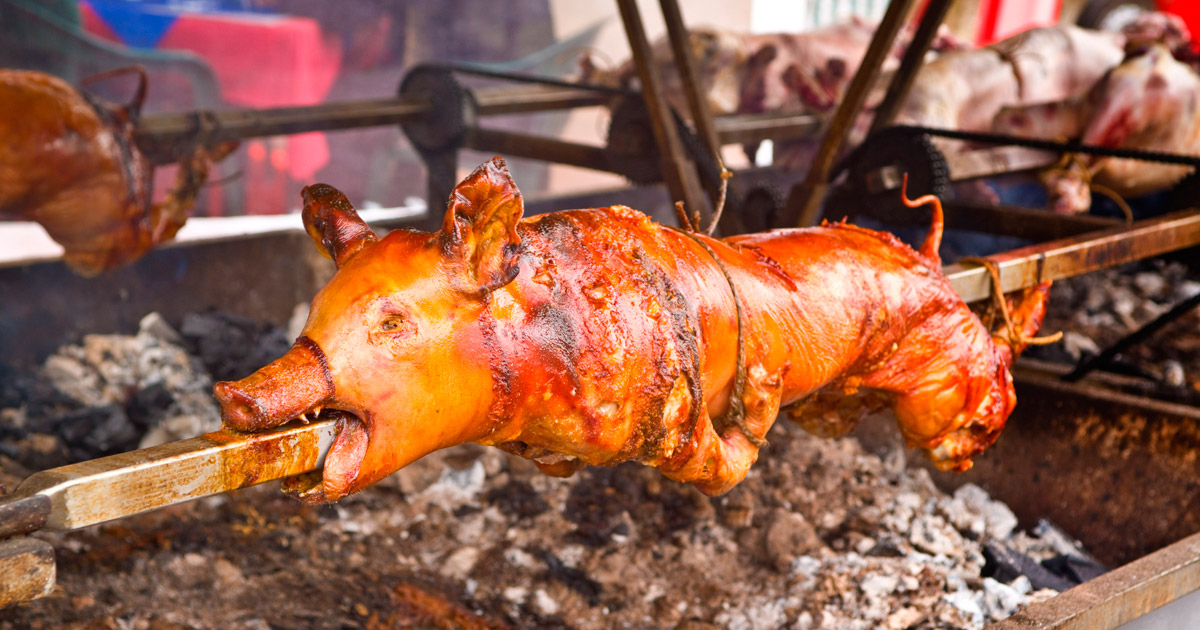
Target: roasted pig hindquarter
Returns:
[70, 165]
[597, 337]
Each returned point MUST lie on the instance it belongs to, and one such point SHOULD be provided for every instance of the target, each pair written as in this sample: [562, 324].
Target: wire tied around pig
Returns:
[690, 227]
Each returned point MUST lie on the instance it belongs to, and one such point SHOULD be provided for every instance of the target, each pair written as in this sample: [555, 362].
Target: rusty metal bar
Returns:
[120, 485]
[1119, 596]
[678, 172]
[1026, 267]
[1027, 223]
[693, 89]
[910, 64]
[515, 144]
[23, 515]
[804, 202]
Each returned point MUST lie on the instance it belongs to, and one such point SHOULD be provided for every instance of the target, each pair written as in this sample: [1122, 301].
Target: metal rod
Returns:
[1134, 338]
[910, 64]
[693, 88]
[1072, 146]
[1027, 223]
[748, 129]
[1026, 267]
[515, 144]
[160, 136]
[804, 202]
[121, 485]
[678, 172]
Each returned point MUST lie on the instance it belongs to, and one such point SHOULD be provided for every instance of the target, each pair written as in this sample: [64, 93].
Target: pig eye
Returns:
[391, 323]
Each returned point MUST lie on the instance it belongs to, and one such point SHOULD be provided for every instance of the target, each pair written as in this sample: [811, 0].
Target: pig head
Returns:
[395, 345]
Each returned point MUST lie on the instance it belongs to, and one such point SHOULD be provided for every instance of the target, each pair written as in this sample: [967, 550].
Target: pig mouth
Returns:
[342, 463]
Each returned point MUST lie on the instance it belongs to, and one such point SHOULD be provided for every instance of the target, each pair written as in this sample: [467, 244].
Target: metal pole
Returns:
[804, 202]
[931, 21]
[677, 170]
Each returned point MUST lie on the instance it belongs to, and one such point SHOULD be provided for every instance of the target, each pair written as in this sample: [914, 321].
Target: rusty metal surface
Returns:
[120, 485]
[27, 570]
[1077, 255]
[748, 129]
[678, 172]
[22, 515]
[1120, 596]
[805, 199]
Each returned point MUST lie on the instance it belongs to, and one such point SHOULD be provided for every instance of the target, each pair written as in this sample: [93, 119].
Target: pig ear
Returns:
[480, 228]
[333, 223]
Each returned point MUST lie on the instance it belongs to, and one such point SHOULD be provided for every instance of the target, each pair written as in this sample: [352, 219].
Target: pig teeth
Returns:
[317, 412]
[304, 418]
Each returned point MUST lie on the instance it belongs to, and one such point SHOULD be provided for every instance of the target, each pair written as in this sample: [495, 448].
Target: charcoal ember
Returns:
[1005, 564]
[229, 346]
[93, 431]
[1074, 568]
[517, 498]
[148, 405]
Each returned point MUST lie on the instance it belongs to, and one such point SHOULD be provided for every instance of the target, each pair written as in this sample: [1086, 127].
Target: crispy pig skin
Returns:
[594, 337]
[70, 165]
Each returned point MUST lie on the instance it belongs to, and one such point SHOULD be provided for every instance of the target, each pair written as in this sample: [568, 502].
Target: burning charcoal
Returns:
[573, 578]
[1000, 600]
[1005, 564]
[998, 519]
[1151, 284]
[96, 431]
[1074, 568]
[149, 404]
[230, 346]
[1061, 541]
[1173, 374]
[517, 498]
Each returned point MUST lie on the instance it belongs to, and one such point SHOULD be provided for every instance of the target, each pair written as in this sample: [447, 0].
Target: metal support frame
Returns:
[805, 199]
[677, 170]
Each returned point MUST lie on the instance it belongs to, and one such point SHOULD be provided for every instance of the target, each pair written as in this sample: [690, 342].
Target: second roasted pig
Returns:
[594, 337]
[68, 162]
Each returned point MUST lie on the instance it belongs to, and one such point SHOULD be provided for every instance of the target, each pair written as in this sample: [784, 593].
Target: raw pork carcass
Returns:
[594, 337]
[965, 90]
[68, 162]
[1149, 102]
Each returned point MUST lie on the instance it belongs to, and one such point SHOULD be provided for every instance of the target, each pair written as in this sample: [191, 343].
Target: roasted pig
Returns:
[68, 162]
[593, 337]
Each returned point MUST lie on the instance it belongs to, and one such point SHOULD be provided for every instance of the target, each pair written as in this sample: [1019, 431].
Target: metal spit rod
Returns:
[99, 490]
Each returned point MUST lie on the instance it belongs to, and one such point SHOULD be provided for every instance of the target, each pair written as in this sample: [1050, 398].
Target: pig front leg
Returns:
[720, 452]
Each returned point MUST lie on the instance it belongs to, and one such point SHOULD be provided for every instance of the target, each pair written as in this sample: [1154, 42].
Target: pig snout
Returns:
[294, 384]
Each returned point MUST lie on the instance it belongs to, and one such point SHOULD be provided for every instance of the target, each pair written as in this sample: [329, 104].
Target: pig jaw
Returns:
[298, 384]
